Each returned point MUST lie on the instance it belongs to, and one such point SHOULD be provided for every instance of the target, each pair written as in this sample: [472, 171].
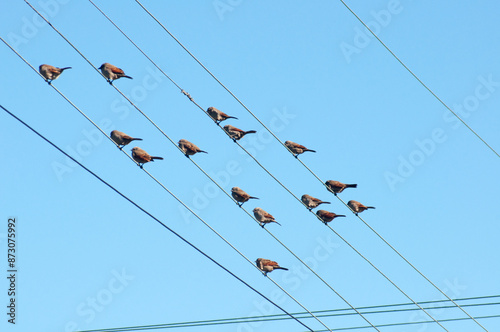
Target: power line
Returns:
[418, 79]
[319, 313]
[246, 108]
[172, 194]
[154, 218]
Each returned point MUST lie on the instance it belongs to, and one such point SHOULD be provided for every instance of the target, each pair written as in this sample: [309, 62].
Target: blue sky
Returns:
[87, 259]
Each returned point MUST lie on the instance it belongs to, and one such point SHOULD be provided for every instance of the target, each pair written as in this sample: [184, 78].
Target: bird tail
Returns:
[62, 69]
[250, 132]
[159, 158]
[309, 150]
[253, 197]
[325, 203]
[136, 139]
[281, 268]
[339, 215]
[232, 117]
[277, 222]
[203, 151]
[370, 207]
[127, 77]
[351, 185]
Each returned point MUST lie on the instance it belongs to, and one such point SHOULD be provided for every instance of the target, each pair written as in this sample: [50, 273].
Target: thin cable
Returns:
[270, 174]
[280, 317]
[171, 193]
[201, 169]
[153, 217]
[256, 118]
[418, 79]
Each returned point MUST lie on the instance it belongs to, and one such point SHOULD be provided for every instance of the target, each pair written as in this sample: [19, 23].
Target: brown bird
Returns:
[297, 148]
[357, 207]
[112, 73]
[311, 202]
[240, 196]
[327, 216]
[50, 73]
[217, 115]
[142, 157]
[122, 139]
[263, 217]
[189, 148]
[337, 187]
[267, 265]
[236, 133]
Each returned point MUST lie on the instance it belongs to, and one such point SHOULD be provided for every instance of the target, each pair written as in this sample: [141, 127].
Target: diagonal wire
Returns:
[312, 172]
[157, 127]
[418, 79]
[172, 194]
[154, 218]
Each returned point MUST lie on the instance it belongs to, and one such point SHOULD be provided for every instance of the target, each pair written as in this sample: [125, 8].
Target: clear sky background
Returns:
[310, 72]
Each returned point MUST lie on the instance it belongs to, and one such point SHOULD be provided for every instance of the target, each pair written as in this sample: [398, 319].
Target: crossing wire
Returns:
[319, 313]
[157, 127]
[192, 100]
[171, 193]
[309, 169]
[154, 218]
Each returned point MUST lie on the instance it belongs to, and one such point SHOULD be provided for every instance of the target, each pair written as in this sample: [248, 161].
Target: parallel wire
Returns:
[312, 172]
[154, 218]
[201, 169]
[171, 193]
[418, 79]
[280, 317]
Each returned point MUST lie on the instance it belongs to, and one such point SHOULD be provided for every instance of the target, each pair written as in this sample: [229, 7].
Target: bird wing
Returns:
[268, 215]
[53, 69]
[117, 70]
[237, 129]
[271, 263]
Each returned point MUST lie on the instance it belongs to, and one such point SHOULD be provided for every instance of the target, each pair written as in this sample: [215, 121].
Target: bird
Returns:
[240, 196]
[357, 207]
[297, 148]
[311, 202]
[112, 72]
[236, 133]
[50, 73]
[263, 217]
[267, 265]
[217, 115]
[337, 187]
[189, 148]
[122, 139]
[142, 157]
[326, 216]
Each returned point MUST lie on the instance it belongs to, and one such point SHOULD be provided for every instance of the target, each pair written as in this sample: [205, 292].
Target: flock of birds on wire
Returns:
[112, 73]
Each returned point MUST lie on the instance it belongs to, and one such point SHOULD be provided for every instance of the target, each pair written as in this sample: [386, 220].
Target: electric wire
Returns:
[319, 313]
[206, 174]
[171, 193]
[154, 218]
[313, 173]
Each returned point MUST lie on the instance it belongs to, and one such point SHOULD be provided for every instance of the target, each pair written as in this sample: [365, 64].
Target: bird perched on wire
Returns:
[236, 133]
[357, 207]
[263, 217]
[337, 187]
[142, 157]
[217, 115]
[297, 148]
[189, 148]
[50, 73]
[112, 72]
[326, 216]
[267, 265]
[311, 202]
[122, 139]
[240, 196]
